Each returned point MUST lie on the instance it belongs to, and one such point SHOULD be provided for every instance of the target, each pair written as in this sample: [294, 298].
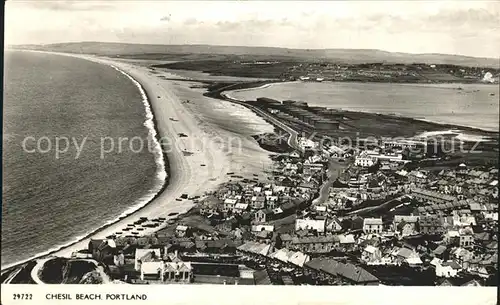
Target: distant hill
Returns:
[331, 55]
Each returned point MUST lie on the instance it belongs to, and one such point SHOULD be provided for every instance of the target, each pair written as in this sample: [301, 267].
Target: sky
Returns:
[451, 27]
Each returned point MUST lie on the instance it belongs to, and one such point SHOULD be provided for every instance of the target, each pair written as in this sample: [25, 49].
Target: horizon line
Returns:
[256, 46]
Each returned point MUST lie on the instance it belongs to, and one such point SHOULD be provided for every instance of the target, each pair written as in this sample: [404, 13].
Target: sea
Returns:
[471, 105]
[95, 117]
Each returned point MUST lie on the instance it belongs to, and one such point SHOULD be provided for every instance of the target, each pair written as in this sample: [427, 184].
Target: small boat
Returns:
[492, 94]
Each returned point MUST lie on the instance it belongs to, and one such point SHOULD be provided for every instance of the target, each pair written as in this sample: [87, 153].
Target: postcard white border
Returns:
[233, 294]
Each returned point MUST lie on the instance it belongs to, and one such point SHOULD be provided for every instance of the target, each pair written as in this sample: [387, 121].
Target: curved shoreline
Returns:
[195, 174]
[161, 161]
[256, 86]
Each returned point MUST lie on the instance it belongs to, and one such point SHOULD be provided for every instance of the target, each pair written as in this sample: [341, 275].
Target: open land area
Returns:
[393, 208]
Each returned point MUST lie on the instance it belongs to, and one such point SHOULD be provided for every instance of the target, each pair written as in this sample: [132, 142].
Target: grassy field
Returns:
[200, 51]
[232, 68]
[292, 68]
[440, 76]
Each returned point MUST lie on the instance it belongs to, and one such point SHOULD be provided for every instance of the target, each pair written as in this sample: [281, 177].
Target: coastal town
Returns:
[320, 71]
[250, 152]
[384, 212]
[380, 223]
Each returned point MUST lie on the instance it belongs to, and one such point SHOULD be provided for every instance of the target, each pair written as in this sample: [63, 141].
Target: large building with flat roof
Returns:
[402, 144]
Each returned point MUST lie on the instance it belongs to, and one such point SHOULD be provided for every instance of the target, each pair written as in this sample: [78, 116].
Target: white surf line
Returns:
[143, 201]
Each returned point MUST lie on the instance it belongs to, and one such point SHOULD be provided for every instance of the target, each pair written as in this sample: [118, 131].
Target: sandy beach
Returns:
[186, 173]
[203, 169]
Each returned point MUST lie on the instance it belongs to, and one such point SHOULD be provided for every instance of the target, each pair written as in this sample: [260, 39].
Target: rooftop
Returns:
[349, 271]
[372, 221]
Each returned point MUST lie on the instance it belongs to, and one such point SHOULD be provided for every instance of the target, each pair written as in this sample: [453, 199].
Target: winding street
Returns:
[378, 206]
[333, 173]
[35, 272]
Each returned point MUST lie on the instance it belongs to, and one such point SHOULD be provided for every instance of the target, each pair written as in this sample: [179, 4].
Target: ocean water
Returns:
[48, 199]
[475, 105]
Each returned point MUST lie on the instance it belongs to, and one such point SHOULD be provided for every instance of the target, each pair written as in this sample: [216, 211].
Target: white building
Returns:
[306, 143]
[446, 269]
[399, 145]
[389, 157]
[364, 161]
[260, 228]
[372, 225]
[145, 255]
[239, 208]
[310, 224]
[154, 270]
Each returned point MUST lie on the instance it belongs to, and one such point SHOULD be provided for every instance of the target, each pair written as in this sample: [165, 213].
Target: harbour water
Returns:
[473, 105]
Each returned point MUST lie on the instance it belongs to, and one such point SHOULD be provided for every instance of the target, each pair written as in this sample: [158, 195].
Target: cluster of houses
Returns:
[452, 213]
[378, 224]
[253, 204]
[322, 271]
[392, 72]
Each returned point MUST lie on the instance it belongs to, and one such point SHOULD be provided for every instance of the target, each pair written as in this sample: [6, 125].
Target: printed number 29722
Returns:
[23, 296]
